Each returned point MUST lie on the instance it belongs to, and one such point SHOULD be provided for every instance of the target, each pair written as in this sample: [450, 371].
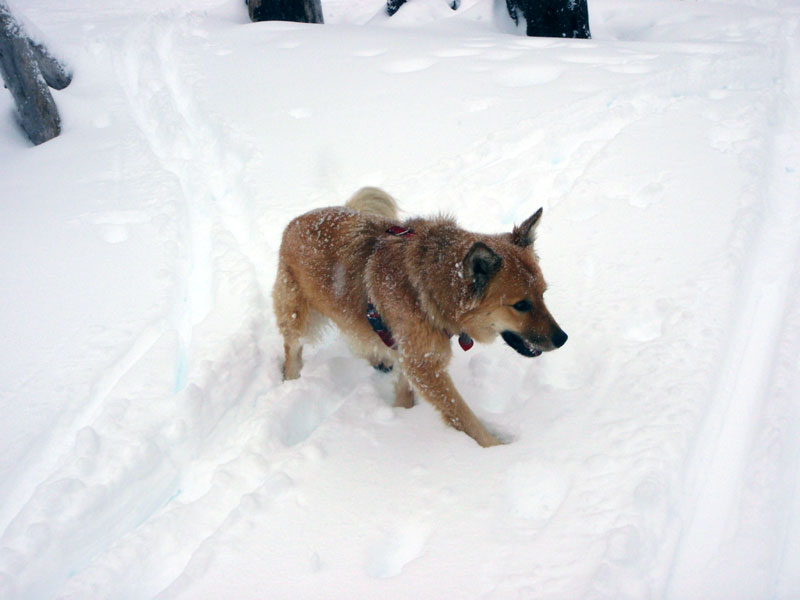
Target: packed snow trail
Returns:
[751, 386]
[142, 475]
[655, 455]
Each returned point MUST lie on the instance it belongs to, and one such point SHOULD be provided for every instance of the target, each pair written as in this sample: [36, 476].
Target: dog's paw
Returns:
[498, 438]
[489, 440]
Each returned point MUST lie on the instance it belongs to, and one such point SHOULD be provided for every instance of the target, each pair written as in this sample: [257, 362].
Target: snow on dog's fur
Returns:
[427, 279]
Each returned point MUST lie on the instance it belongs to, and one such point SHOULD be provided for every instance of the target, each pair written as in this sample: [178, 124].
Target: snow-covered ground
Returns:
[149, 447]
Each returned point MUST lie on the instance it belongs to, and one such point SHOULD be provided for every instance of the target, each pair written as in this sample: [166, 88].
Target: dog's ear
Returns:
[480, 265]
[523, 235]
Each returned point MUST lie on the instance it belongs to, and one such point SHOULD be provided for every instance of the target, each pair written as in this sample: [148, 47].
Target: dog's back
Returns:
[373, 201]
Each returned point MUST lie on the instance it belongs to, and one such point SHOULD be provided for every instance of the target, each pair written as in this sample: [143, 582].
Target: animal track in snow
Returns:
[525, 75]
[479, 104]
[624, 545]
[535, 491]
[409, 65]
[391, 553]
[369, 52]
[650, 194]
[631, 68]
[480, 43]
[502, 54]
[300, 113]
[644, 324]
[114, 234]
[572, 368]
[305, 413]
[456, 52]
[102, 120]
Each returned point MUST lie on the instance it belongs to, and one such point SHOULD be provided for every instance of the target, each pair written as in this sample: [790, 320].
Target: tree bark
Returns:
[55, 73]
[27, 69]
[553, 18]
[300, 11]
[392, 6]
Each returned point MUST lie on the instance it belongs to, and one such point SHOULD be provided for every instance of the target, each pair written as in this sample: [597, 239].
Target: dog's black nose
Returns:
[559, 338]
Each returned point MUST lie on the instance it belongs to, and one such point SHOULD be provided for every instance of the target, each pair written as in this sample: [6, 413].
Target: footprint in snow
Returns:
[369, 52]
[571, 368]
[306, 409]
[102, 120]
[502, 54]
[114, 234]
[456, 52]
[650, 194]
[527, 75]
[300, 113]
[632, 68]
[535, 490]
[480, 43]
[409, 65]
[624, 545]
[643, 324]
[478, 104]
[114, 226]
[388, 555]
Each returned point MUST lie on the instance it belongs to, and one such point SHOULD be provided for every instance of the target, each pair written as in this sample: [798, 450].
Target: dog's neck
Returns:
[435, 254]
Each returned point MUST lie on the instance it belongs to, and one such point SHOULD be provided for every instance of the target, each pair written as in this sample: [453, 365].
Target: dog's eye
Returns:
[522, 305]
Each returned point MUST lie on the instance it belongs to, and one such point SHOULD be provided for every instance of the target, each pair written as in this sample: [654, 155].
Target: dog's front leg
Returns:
[432, 382]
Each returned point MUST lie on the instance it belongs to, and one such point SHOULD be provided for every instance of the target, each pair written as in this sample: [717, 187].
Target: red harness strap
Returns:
[400, 231]
[378, 327]
[385, 334]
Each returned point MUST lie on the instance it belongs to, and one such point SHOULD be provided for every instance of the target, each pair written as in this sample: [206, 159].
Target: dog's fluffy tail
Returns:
[373, 201]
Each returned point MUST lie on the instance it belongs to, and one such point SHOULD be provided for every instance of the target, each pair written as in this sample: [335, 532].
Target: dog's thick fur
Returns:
[437, 282]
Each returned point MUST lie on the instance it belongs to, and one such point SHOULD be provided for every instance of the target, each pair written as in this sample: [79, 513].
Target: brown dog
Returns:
[400, 291]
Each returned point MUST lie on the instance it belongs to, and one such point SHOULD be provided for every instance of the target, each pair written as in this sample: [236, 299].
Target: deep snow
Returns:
[149, 446]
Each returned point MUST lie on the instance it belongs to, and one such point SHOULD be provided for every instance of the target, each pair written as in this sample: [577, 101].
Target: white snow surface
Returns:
[149, 446]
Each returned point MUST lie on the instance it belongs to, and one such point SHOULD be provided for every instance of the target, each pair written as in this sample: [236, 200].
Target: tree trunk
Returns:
[553, 18]
[55, 73]
[300, 11]
[27, 69]
[392, 6]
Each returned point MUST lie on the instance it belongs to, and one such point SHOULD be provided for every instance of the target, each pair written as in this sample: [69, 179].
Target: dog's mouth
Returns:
[519, 344]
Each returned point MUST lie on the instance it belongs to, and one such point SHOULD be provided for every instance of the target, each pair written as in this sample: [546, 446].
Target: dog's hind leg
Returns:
[403, 394]
[292, 314]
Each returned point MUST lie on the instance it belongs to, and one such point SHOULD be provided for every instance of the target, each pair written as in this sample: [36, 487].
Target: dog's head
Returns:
[506, 282]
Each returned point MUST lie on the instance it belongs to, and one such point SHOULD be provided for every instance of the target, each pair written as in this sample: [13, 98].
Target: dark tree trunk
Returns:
[301, 11]
[27, 69]
[392, 6]
[553, 18]
[54, 72]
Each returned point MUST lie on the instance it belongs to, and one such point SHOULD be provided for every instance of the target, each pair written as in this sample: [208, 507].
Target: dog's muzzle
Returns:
[519, 344]
[533, 349]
